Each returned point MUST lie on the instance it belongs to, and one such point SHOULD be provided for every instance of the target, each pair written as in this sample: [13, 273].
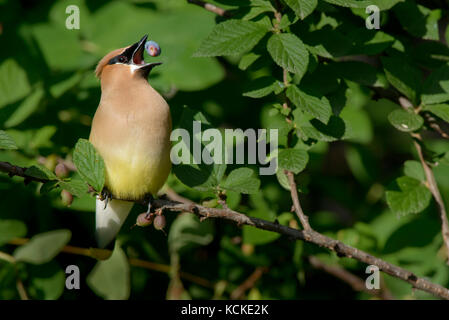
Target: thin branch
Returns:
[210, 7]
[355, 282]
[249, 283]
[431, 121]
[13, 170]
[433, 187]
[21, 289]
[310, 236]
[296, 205]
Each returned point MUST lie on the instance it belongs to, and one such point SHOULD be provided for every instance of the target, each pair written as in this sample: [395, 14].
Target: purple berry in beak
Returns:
[152, 48]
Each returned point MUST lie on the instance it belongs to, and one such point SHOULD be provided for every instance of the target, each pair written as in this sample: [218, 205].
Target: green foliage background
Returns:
[349, 145]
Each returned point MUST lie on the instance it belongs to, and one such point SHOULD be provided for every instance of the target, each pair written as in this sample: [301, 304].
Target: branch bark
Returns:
[296, 205]
[311, 236]
[13, 170]
[355, 282]
[210, 7]
[433, 187]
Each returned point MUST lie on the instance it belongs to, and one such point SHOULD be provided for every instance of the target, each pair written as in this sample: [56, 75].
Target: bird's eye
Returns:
[122, 59]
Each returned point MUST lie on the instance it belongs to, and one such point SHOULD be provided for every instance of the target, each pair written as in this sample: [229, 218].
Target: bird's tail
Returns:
[110, 220]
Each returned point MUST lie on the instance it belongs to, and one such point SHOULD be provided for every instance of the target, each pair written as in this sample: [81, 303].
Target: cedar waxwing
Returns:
[131, 131]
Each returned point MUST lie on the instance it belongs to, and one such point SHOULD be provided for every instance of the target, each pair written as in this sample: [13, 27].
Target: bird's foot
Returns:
[150, 199]
[105, 195]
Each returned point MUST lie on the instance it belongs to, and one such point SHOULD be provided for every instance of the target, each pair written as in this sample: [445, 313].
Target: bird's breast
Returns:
[133, 137]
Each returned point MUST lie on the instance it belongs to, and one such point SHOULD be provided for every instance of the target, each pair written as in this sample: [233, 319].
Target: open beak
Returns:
[137, 56]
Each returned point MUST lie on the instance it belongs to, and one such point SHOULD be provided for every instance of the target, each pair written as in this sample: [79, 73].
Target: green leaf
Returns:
[200, 176]
[440, 110]
[28, 106]
[403, 76]
[187, 232]
[256, 7]
[302, 8]
[89, 163]
[288, 51]
[40, 172]
[14, 83]
[47, 281]
[360, 72]
[350, 3]
[436, 86]
[6, 142]
[417, 20]
[320, 108]
[242, 180]
[309, 128]
[10, 229]
[414, 169]
[43, 247]
[294, 160]
[411, 196]
[406, 121]
[231, 37]
[247, 60]
[110, 279]
[76, 187]
[262, 87]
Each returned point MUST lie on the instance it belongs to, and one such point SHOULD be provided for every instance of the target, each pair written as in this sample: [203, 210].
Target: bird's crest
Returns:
[104, 62]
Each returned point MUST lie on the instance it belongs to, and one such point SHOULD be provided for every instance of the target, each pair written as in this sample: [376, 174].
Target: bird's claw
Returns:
[106, 195]
[149, 198]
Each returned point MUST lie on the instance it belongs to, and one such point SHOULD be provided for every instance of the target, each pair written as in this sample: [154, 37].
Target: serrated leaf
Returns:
[440, 110]
[231, 37]
[43, 247]
[411, 197]
[403, 76]
[302, 8]
[6, 142]
[40, 172]
[294, 160]
[289, 52]
[10, 229]
[320, 108]
[262, 87]
[406, 121]
[76, 187]
[242, 180]
[414, 169]
[110, 279]
[89, 163]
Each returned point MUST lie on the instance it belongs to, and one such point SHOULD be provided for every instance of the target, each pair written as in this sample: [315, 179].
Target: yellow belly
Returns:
[131, 175]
